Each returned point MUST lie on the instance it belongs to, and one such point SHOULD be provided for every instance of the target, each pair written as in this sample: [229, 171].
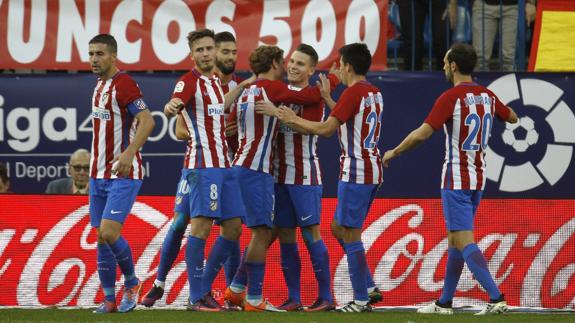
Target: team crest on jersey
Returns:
[213, 205]
[105, 98]
[294, 88]
[140, 104]
[179, 87]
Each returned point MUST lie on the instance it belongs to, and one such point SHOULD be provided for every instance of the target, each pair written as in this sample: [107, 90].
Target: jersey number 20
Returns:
[475, 124]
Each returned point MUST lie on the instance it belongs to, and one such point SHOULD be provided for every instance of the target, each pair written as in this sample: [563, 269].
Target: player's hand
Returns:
[266, 108]
[335, 71]
[324, 87]
[122, 165]
[174, 106]
[387, 157]
[231, 128]
[286, 115]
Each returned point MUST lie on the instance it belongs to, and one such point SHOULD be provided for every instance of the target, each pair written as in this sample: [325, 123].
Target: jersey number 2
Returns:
[372, 121]
[474, 123]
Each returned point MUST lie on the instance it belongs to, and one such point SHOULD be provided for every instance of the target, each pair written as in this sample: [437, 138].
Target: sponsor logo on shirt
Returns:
[215, 109]
[101, 114]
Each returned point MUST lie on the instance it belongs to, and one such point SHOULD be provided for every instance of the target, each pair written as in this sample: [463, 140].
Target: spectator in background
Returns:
[79, 170]
[412, 14]
[490, 15]
[4, 180]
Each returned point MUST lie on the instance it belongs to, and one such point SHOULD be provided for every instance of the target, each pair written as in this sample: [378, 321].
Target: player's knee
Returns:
[108, 236]
[287, 235]
[310, 234]
[336, 230]
[231, 232]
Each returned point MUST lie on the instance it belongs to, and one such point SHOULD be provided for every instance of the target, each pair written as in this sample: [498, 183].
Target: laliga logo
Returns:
[560, 118]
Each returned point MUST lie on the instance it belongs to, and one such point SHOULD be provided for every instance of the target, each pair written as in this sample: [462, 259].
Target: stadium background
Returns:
[526, 225]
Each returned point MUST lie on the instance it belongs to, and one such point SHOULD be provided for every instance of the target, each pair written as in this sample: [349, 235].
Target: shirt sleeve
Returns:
[346, 107]
[313, 112]
[501, 110]
[279, 92]
[441, 112]
[184, 90]
[127, 91]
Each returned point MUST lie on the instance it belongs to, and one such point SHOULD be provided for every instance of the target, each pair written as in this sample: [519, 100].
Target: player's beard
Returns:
[449, 76]
[225, 69]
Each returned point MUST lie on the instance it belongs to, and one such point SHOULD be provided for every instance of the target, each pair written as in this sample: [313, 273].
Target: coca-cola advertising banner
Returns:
[151, 35]
[48, 252]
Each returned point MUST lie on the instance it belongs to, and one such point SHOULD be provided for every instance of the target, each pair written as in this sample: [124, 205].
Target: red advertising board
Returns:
[48, 252]
[151, 34]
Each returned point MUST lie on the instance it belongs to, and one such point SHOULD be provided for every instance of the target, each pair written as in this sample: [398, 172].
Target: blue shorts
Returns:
[297, 205]
[213, 193]
[353, 203]
[182, 202]
[258, 196]
[112, 199]
[459, 208]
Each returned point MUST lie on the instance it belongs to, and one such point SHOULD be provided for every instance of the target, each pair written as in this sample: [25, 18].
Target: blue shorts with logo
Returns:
[459, 208]
[112, 199]
[353, 203]
[297, 205]
[213, 193]
[258, 195]
[182, 202]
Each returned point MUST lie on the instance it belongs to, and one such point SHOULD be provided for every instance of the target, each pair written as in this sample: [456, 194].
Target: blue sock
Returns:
[169, 252]
[107, 271]
[123, 254]
[368, 277]
[232, 263]
[478, 266]
[357, 267]
[241, 277]
[453, 270]
[218, 255]
[320, 262]
[256, 271]
[291, 267]
[195, 266]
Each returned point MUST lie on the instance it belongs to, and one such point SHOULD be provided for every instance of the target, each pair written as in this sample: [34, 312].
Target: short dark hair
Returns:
[197, 34]
[224, 36]
[309, 51]
[358, 56]
[261, 58]
[4, 173]
[106, 39]
[464, 56]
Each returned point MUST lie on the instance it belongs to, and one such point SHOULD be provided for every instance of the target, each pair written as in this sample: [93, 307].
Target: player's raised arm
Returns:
[325, 89]
[324, 129]
[412, 140]
[233, 94]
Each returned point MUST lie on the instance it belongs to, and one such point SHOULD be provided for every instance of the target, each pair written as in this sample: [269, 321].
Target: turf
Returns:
[83, 315]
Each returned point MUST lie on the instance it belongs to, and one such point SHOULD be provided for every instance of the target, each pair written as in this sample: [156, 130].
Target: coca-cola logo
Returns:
[52, 260]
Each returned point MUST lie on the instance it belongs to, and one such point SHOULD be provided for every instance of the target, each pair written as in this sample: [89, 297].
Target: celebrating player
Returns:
[465, 113]
[121, 125]
[253, 164]
[357, 117]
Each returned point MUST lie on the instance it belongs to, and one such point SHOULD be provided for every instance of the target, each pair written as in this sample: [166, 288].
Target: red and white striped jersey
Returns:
[114, 125]
[203, 115]
[232, 141]
[359, 110]
[296, 160]
[466, 114]
[257, 133]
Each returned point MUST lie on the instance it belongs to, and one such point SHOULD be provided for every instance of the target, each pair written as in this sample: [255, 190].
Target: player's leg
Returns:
[121, 197]
[172, 242]
[105, 258]
[352, 208]
[285, 224]
[232, 263]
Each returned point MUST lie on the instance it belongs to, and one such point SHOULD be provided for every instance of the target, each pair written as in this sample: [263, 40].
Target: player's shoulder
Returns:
[236, 78]
[123, 78]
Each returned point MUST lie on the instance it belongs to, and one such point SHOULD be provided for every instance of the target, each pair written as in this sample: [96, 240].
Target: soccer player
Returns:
[298, 192]
[225, 58]
[252, 165]
[465, 113]
[357, 117]
[121, 125]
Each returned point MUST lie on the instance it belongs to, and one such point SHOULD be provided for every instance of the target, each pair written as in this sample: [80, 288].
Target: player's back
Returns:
[113, 125]
[360, 109]
[203, 115]
[467, 114]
